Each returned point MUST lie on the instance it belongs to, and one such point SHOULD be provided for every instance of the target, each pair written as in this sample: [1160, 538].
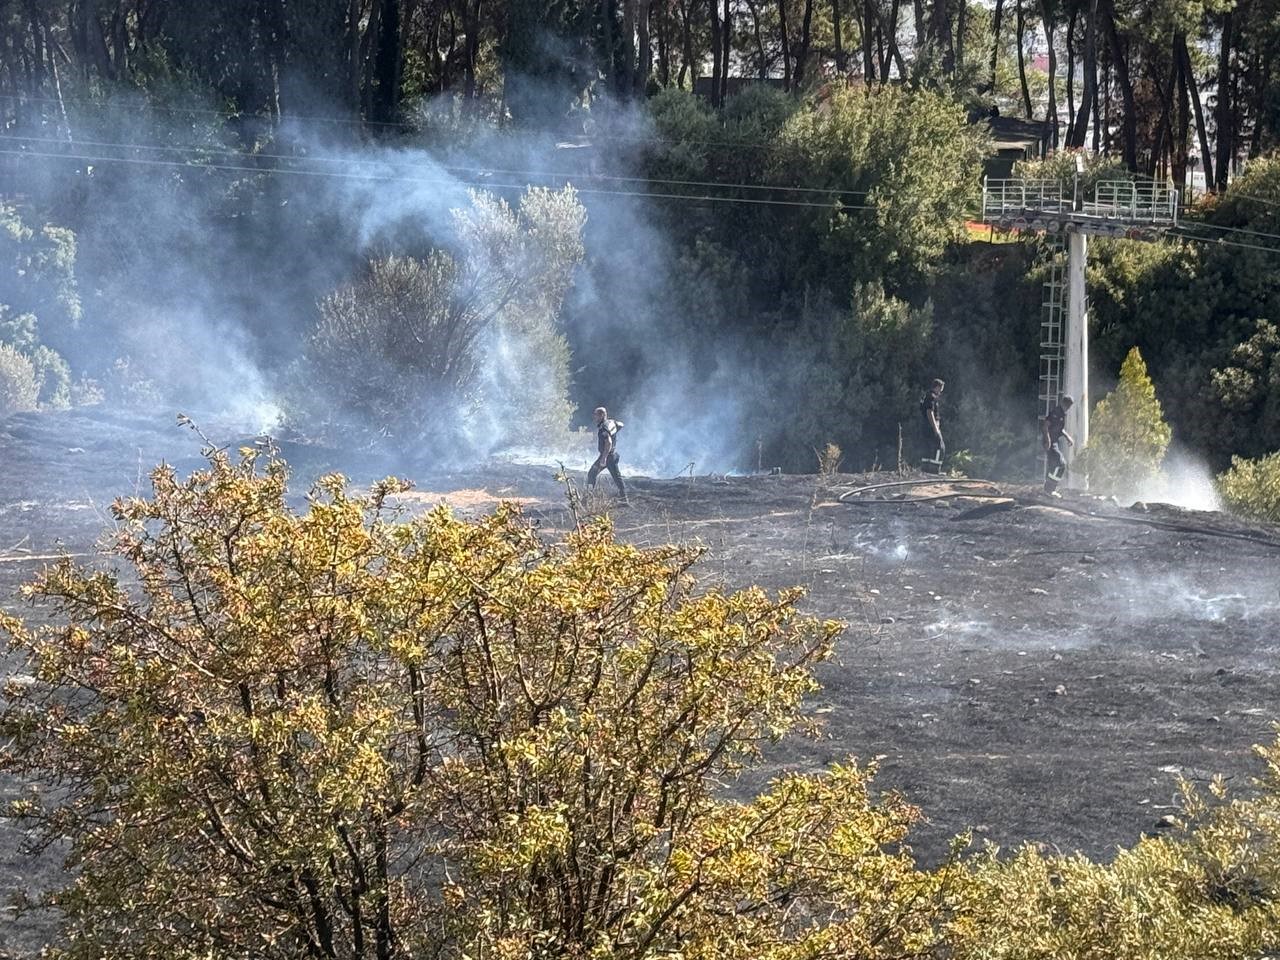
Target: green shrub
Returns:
[19, 389]
[1128, 436]
[1252, 487]
[1208, 889]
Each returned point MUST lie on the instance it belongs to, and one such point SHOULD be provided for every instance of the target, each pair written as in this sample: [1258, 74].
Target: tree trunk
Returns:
[922, 30]
[120, 40]
[627, 73]
[995, 42]
[386, 100]
[1101, 119]
[891, 36]
[608, 60]
[1180, 144]
[1022, 60]
[1129, 147]
[1164, 126]
[645, 64]
[65, 122]
[368, 51]
[836, 38]
[1223, 113]
[664, 45]
[940, 31]
[472, 27]
[686, 41]
[786, 44]
[869, 25]
[1261, 69]
[726, 24]
[763, 61]
[962, 23]
[1051, 109]
[1071, 73]
[354, 62]
[806, 37]
[273, 24]
[37, 45]
[1089, 91]
[91, 42]
[716, 64]
[1197, 109]
[881, 53]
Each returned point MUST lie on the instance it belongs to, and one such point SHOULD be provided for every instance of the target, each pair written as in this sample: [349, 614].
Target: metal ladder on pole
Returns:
[1053, 316]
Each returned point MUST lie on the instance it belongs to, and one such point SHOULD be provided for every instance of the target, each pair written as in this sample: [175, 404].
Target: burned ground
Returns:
[1034, 669]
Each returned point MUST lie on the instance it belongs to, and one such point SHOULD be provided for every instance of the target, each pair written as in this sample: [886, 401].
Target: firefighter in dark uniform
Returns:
[1054, 428]
[607, 446]
[932, 446]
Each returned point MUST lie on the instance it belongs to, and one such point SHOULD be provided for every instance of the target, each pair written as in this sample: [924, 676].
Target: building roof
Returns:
[1015, 130]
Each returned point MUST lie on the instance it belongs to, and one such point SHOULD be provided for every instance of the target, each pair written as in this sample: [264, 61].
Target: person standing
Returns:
[607, 449]
[933, 446]
[1054, 432]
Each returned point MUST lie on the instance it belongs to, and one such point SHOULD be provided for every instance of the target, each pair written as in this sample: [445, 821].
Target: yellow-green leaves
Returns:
[288, 732]
[1129, 435]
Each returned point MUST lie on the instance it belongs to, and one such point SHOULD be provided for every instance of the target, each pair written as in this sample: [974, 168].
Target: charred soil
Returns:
[1034, 669]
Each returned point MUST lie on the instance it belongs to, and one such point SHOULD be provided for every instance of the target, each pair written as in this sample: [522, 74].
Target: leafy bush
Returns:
[685, 127]
[1061, 166]
[458, 351]
[38, 266]
[1128, 436]
[1209, 889]
[19, 389]
[312, 733]
[1252, 487]
[902, 165]
[53, 376]
[1246, 392]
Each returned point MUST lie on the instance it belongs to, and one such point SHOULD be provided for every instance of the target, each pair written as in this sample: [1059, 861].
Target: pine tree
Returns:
[1129, 436]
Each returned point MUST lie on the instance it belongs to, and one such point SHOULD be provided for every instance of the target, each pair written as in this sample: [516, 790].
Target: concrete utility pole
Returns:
[1138, 210]
[1077, 365]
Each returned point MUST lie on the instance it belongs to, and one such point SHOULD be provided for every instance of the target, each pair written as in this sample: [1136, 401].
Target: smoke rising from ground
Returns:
[1184, 481]
[202, 283]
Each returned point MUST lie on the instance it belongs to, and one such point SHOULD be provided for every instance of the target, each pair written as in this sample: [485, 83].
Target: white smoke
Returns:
[1183, 481]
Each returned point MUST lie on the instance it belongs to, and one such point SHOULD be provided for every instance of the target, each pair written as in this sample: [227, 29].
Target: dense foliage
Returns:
[1252, 487]
[337, 731]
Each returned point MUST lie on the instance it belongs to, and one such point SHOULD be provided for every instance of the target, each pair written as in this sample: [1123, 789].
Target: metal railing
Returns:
[1133, 201]
[1040, 204]
[1019, 197]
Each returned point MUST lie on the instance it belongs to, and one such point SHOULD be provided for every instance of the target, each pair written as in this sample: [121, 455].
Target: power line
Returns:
[358, 121]
[704, 184]
[1228, 243]
[1199, 224]
[275, 171]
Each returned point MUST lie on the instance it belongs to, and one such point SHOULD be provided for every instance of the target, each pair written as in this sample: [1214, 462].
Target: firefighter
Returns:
[931, 442]
[1054, 428]
[607, 447]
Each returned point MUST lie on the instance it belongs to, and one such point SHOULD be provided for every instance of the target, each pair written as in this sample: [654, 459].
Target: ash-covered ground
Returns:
[1034, 669]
